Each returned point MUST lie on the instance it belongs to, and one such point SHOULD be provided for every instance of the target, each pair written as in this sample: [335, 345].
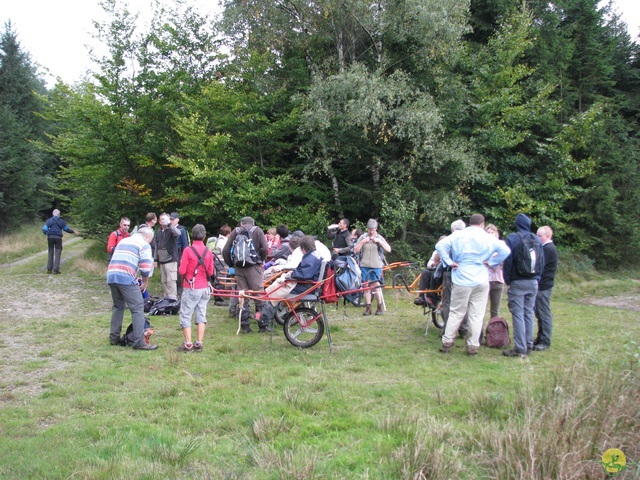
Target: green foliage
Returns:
[23, 171]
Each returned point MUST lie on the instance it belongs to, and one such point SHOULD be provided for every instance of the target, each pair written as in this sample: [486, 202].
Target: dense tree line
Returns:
[413, 112]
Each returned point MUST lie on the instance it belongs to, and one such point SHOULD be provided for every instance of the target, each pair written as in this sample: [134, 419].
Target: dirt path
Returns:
[65, 256]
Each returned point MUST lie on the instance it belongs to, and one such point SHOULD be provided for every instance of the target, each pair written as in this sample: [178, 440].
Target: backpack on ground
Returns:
[348, 277]
[497, 333]
[165, 306]
[243, 251]
[128, 340]
[530, 256]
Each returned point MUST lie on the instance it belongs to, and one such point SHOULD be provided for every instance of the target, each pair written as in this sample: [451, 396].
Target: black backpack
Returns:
[243, 252]
[497, 333]
[529, 258]
[127, 339]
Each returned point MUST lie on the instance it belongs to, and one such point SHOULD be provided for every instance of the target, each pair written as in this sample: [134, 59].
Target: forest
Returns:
[414, 112]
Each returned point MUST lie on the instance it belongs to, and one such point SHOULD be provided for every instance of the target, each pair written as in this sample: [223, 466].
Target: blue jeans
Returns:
[522, 299]
[543, 314]
[122, 296]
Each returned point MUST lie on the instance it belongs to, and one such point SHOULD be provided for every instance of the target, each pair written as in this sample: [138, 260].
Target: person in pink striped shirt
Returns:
[131, 255]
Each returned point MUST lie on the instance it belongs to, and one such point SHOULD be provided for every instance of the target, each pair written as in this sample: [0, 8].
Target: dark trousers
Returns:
[55, 250]
[250, 278]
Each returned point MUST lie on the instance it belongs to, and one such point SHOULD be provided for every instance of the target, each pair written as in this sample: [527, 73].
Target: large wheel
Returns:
[304, 337]
[436, 316]
[281, 313]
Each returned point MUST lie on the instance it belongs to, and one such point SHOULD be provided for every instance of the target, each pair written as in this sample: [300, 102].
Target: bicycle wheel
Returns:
[304, 337]
[436, 316]
[281, 313]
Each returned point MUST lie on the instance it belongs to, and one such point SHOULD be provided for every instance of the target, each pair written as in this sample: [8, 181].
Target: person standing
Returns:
[522, 289]
[132, 255]
[468, 252]
[183, 243]
[496, 279]
[196, 268]
[53, 229]
[545, 287]
[166, 256]
[456, 225]
[370, 246]
[341, 237]
[150, 220]
[249, 277]
[118, 235]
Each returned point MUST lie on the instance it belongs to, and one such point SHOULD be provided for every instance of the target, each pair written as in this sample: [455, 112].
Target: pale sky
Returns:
[56, 32]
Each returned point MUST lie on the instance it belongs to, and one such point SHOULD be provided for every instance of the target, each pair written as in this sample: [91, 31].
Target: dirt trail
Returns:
[65, 255]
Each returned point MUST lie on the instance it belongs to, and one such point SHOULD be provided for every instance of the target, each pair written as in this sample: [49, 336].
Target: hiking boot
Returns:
[145, 347]
[197, 347]
[265, 329]
[445, 348]
[119, 342]
[367, 310]
[185, 348]
[514, 353]
[379, 310]
[245, 330]
[472, 350]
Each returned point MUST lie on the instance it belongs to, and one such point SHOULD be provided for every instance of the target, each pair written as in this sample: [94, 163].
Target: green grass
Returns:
[386, 404]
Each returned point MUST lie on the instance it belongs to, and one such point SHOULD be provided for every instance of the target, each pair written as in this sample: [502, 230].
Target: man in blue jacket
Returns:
[53, 230]
[522, 290]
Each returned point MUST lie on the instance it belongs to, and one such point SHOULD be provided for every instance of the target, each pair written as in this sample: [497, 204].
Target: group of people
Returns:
[475, 266]
[185, 269]
[478, 263]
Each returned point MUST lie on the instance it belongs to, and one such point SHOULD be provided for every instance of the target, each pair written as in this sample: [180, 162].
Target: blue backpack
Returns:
[348, 277]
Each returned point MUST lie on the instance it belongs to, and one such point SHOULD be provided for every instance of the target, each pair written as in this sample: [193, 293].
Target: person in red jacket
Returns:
[117, 236]
[196, 267]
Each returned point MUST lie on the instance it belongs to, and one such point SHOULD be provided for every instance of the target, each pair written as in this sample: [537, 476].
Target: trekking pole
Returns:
[240, 305]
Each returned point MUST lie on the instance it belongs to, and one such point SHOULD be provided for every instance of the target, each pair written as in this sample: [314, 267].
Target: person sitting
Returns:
[307, 270]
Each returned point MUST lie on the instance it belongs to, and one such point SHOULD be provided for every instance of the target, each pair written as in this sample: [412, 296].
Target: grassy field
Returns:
[385, 405]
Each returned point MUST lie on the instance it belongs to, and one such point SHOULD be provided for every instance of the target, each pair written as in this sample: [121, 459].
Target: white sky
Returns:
[56, 32]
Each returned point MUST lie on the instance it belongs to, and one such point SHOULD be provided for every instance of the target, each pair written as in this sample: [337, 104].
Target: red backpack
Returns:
[497, 333]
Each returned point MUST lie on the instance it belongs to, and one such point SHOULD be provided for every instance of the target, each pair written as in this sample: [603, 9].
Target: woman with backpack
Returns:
[196, 268]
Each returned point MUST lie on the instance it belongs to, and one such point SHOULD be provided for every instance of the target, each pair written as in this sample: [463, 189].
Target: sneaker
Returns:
[197, 347]
[56, 272]
[540, 347]
[185, 348]
[49, 271]
[145, 347]
[119, 342]
[445, 348]
[245, 330]
[472, 350]
[418, 301]
[513, 353]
